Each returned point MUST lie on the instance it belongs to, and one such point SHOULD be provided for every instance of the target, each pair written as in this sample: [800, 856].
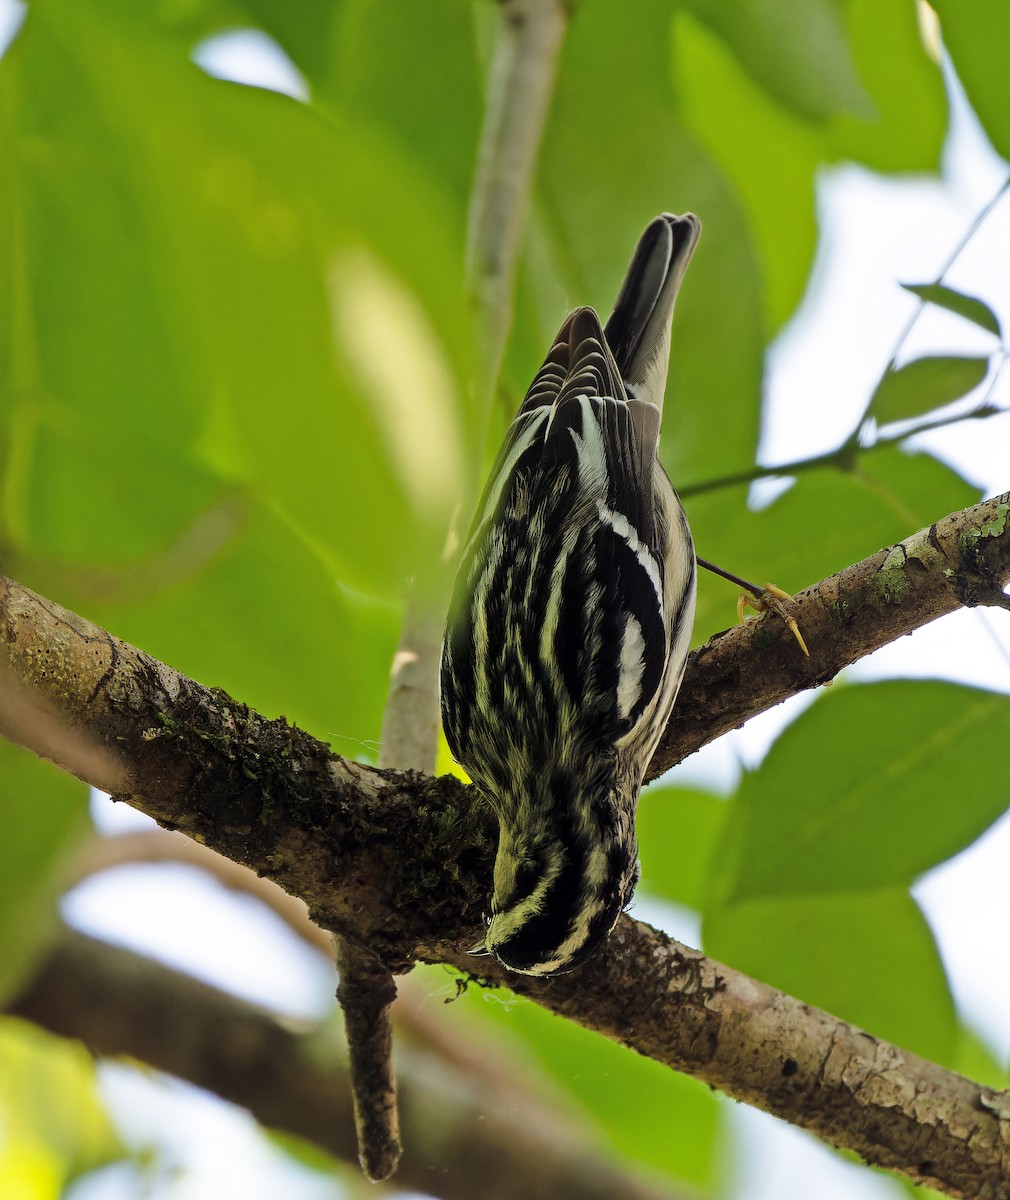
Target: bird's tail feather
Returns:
[638, 331]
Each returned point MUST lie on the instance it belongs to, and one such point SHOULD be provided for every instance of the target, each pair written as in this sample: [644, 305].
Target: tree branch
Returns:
[410, 721]
[366, 992]
[122, 1004]
[402, 862]
[520, 84]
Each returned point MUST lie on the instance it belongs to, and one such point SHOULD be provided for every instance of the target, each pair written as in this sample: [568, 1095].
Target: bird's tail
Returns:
[638, 331]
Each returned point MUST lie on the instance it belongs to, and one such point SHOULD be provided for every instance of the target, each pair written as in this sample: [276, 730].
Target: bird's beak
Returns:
[479, 950]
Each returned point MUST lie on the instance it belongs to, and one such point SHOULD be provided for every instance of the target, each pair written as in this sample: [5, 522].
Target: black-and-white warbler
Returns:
[571, 618]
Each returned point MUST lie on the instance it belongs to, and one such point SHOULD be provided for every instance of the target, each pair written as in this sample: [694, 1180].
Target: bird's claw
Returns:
[771, 598]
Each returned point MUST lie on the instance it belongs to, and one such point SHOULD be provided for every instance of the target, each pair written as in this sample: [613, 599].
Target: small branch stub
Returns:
[365, 992]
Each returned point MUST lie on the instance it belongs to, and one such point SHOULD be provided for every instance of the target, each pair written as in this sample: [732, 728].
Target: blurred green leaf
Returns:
[264, 619]
[631, 1101]
[414, 69]
[920, 1192]
[769, 154]
[79, 515]
[797, 53]
[308, 1155]
[870, 786]
[969, 307]
[924, 384]
[910, 487]
[976, 37]
[243, 250]
[903, 78]
[868, 958]
[304, 31]
[637, 1101]
[678, 832]
[55, 1126]
[89, 363]
[977, 1061]
[44, 817]
[591, 210]
[741, 88]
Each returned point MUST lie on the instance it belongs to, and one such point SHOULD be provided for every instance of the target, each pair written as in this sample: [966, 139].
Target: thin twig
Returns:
[952, 258]
[858, 441]
[842, 457]
[410, 721]
[863, 426]
[520, 86]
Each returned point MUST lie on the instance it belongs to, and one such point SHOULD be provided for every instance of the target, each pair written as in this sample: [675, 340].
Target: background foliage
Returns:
[233, 420]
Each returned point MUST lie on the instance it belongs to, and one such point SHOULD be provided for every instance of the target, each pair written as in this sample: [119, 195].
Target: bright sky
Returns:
[821, 370]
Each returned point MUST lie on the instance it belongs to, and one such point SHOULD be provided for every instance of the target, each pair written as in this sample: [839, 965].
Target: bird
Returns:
[570, 620]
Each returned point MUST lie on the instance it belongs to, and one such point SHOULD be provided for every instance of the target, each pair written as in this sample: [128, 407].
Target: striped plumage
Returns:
[571, 618]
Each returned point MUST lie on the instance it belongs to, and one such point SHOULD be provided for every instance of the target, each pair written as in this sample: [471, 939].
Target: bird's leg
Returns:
[761, 599]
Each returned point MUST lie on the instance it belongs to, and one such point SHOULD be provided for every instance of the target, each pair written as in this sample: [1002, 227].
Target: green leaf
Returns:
[44, 817]
[768, 153]
[630, 1102]
[124, 519]
[413, 69]
[976, 1060]
[969, 307]
[265, 620]
[868, 958]
[905, 84]
[678, 832]
[89, 368]
[55, 1126]
[589, 216]
[976, 37]
[925, 384]
[636, 1100]
[209, 277]
[798, 54]
[304, 31]
[740, 90]
[871, 786]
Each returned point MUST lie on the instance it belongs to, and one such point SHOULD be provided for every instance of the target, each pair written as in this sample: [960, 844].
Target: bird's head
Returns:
[557, 896]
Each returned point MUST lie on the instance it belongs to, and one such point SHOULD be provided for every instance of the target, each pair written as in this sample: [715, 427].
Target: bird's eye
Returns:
[487, 920]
